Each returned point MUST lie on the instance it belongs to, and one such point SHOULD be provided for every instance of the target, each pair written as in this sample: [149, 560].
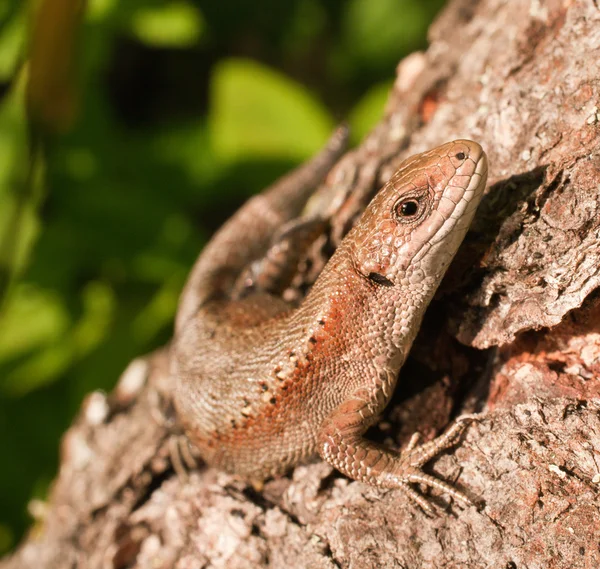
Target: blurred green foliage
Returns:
[186, 108]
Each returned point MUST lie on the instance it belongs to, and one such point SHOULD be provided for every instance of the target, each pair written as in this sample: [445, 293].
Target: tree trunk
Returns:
[514, 332]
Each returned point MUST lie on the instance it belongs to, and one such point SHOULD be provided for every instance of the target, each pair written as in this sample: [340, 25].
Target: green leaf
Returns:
[172, 24]
[7, 538]
[369, 110]
[98, 10]
[99, 307]
[20, 185]
[39, 341]
[30, 320]
[12, 41]
[256, 111]
[158, 314]
[377, 33]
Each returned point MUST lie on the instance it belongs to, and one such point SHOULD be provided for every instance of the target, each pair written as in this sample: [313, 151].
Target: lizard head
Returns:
[411, 230]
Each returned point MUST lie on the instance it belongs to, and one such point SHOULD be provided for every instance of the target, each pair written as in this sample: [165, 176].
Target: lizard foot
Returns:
[407, 469]
[181, 456]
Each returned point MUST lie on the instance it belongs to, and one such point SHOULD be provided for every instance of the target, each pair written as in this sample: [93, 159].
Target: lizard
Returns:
[261, 385]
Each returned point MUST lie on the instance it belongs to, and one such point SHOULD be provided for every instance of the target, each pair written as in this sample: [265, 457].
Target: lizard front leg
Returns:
[274, 272]
[249, 233]
[342, 444]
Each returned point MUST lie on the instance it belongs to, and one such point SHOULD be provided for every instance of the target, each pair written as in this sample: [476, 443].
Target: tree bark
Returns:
[514, 332]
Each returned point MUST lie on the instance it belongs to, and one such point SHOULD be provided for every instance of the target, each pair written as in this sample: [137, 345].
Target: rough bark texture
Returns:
[516, 326]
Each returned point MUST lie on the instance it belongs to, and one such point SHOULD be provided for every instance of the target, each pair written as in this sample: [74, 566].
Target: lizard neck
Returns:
[354, 317]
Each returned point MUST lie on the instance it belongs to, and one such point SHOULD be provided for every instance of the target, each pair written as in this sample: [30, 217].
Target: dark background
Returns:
[174, 112]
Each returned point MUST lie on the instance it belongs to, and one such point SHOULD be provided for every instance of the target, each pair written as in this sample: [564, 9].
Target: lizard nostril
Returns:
[380, 279]
[460, 156]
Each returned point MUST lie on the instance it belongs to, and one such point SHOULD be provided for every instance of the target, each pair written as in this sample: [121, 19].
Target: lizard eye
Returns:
[409, 208]
[460, 156]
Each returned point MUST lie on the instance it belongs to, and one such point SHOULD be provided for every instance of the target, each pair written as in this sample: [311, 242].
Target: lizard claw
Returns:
[181, 456]
[408, 471]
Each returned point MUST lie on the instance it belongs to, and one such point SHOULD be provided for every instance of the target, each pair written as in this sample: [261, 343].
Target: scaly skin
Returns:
[261, 386]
